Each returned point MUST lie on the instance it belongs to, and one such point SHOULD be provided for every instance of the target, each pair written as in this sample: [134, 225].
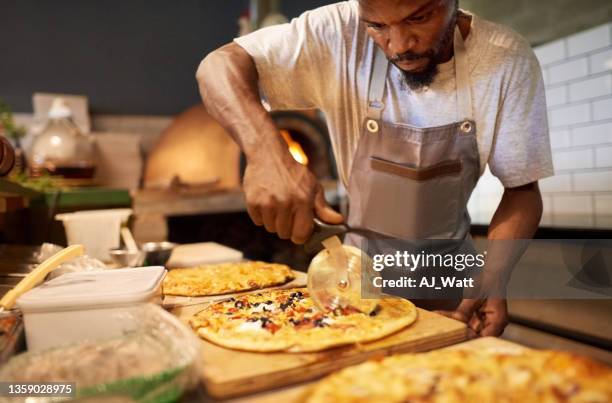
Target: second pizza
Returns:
[225, 278]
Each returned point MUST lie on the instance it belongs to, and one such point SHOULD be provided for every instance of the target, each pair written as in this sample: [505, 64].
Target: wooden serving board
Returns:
[173, 301]
[228, 373]
[298, 393]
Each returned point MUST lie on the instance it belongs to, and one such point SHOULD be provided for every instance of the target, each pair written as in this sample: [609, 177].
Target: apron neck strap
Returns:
[462, 79]
[377, 85]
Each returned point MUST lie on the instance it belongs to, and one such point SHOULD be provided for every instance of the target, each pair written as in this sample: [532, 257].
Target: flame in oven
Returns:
[296, 150]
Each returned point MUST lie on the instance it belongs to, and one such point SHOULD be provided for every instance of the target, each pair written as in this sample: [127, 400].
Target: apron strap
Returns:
[462, 79]
[377, 85]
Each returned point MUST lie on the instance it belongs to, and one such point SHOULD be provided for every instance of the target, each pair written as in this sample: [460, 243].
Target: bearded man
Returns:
[419, 97]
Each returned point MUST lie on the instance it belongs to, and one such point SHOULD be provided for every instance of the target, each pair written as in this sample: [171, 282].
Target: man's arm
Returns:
[516, 219]
[280, 193]
[518, 214]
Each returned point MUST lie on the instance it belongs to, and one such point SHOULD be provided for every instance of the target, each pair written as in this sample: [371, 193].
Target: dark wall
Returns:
[127, 56]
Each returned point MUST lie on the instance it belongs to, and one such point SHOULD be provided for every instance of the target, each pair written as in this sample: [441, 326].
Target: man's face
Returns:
[414, 34]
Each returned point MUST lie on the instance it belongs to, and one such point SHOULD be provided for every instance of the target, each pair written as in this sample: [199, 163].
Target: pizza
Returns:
[287, 320]
[469, 376]
[225, 278]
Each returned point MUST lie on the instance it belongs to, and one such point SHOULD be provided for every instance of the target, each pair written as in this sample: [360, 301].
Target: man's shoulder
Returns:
[336, 15]
[343, 9]
[501, 40]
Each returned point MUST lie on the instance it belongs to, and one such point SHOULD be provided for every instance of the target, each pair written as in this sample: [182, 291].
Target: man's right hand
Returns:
[283, 196]
[280, 193]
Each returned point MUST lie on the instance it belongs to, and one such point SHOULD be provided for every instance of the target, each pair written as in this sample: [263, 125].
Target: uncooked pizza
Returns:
[225, 278]
[470, 376]
[287, 320]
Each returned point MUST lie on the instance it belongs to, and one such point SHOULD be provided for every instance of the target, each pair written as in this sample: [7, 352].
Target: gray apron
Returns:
[413, 183]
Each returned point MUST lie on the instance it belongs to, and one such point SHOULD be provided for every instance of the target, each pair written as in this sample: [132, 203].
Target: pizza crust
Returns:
[215, 325]
[225, 278]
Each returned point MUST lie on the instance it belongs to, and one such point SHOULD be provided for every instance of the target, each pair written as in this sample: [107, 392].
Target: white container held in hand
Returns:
[97, 230]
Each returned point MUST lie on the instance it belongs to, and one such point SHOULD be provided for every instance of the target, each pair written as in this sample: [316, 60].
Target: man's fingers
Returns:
[476, 323]
[255, 215]
[302, 225]
[471, 334]
[284, 223]
[464, 311]
[494, 329]
[324, 211]
[269, 219]
[495, 317]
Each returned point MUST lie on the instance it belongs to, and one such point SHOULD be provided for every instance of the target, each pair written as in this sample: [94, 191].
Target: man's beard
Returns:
[419, 79]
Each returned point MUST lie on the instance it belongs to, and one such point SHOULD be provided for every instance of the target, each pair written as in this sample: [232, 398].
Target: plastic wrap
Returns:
[82, 263]
[156, 362]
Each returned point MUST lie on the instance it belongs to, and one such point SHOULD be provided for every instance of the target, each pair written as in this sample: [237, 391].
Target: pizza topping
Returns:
[345, 310]
[297, 295]
[305, 323]
[271, 327]
[249, 326]
[263, 308]
[259, 324]
[375, 311]
[241, 304]
[320, 323]
[291, 301]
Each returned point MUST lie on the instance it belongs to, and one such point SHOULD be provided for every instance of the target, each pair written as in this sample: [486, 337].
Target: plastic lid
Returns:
[122, 213]
[59, 109]
[93, 289]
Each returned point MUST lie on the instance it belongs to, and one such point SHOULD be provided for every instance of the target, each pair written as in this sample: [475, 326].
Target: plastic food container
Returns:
[87, 305]
[156, 361]
[97, 230]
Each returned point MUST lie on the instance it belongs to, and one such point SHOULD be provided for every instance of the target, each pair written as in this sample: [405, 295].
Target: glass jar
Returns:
[61, 149]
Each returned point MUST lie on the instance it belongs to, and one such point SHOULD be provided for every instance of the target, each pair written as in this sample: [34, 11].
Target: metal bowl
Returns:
[125, 258]
[157, 253]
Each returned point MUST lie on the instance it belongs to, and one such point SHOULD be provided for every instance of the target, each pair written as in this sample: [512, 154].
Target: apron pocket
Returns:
[417, 174]
[412, 203]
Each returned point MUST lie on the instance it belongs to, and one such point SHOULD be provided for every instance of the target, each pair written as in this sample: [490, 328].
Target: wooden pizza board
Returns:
[228, 373]
[173, 301]
[298, 393]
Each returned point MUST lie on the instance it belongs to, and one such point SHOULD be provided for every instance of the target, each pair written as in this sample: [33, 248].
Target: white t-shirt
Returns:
[323, 59]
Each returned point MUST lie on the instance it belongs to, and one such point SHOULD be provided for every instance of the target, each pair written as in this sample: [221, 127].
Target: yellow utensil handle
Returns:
[39, 273]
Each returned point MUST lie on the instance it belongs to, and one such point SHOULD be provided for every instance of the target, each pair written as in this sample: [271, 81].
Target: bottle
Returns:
[61, 149]
[7, 156]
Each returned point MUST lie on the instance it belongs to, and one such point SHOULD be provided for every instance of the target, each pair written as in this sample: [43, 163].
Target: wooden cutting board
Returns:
[228, 373]
[297, 393]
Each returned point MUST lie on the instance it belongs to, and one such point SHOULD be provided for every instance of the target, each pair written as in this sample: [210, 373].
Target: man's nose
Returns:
[401, 40]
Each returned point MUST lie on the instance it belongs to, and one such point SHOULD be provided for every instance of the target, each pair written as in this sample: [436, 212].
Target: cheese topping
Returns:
[263, 307]
[250, 327]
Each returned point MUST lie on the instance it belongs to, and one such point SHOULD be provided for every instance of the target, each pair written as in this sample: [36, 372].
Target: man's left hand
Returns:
[484, 317]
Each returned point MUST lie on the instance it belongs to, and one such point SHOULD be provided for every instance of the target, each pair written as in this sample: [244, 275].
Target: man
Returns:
[411, 137]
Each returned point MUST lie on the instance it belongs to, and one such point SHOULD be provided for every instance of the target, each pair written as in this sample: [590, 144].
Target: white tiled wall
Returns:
[578, 74]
